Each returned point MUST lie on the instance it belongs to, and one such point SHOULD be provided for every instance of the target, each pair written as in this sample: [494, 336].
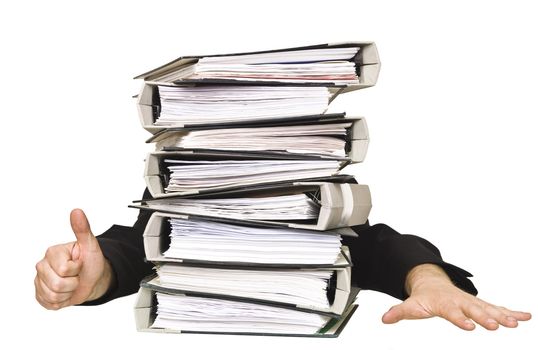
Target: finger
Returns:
[60, 259]
[54, 282]
[518, 315]
[408, 310]
[509, 317]
[456, 316]
[479, 314]
[51, 296]
[501, 315]
[41, 299]
[50, 306]
[81, 227]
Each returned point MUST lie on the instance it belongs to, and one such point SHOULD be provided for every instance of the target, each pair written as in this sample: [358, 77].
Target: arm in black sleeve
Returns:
[123, 247]
[383, 257]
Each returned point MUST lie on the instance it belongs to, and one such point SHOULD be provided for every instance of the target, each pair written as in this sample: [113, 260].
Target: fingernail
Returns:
[490, 320]
[469, 322]
[511, 319]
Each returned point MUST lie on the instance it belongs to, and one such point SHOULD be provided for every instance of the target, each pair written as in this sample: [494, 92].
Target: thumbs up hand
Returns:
[74, 272]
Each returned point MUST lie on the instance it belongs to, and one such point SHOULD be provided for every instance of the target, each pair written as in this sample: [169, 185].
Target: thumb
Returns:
[86, 241]
[395, 314]
[410, 309]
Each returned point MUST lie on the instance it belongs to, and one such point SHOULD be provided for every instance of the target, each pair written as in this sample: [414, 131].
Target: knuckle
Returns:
[53, 306]
[58, 298]
[63, 270]
[57, 284]
[39, 266]
[53, 297]
[50, 251]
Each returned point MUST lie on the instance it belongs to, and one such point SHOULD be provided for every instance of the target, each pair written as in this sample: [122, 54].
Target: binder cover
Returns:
[357, 137]
[157, 175]
[341, 204]
[366, 61]
[344, 293]
[145, 312]
[149, 109]
[157, 241]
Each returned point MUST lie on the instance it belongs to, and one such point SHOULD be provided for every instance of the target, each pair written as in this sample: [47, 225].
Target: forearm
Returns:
[123, 248]
[382, 259]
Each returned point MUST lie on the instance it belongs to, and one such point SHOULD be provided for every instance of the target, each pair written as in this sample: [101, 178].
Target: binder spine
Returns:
[357, 198]
[155, 242]
[143, 309]
[359, 140]
[148, 105]
[359, 149]
[152, 175]
[369, 65]
[343, 205]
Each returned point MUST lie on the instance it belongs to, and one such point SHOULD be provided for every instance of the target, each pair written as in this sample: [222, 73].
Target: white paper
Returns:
[276, 208]
[197, 175]
[322, 65]
[187, 313]
[219, 104]
[297, 287]
[216, 241]
[314, 139]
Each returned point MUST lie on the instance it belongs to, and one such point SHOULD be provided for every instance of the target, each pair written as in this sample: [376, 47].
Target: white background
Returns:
[452, 156]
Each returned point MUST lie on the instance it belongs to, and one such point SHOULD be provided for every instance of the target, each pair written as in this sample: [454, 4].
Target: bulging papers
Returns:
[285, 207]
[188, 313]
[307, 288]
[224, 104]
[316, 65]
[248, 204]
[200, 175]
[216, 241]
[314, 139]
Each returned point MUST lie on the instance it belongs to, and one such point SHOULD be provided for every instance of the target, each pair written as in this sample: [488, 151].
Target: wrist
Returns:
[105, 282]
[424, 275]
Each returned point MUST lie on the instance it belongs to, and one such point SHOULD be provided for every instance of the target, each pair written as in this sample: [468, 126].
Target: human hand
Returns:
[431, 293]
[74, 272]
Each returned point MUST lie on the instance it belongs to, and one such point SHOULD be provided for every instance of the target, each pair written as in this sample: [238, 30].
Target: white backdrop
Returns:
[452, 156]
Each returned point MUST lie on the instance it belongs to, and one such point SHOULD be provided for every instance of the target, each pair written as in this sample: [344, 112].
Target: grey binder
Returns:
[145, 312]
[156, 241]
[156, 172]
[357, 138]
[366, 61]
[344, 294]
[341, 204]
[367, 66]
[149, 106]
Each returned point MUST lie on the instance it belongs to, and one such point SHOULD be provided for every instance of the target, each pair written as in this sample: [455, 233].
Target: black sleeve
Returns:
[123, 247]
[382, 258]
